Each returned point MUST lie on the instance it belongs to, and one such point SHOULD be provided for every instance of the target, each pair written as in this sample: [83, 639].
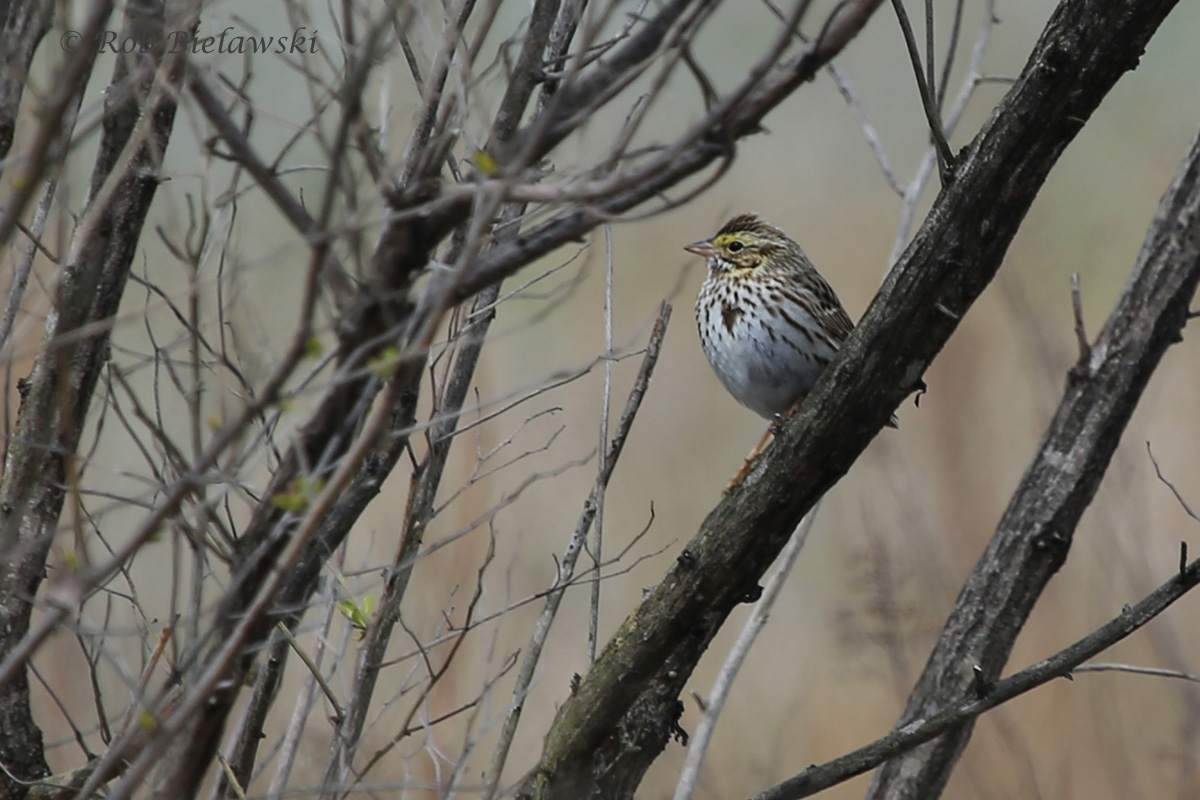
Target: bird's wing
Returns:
[829, 309]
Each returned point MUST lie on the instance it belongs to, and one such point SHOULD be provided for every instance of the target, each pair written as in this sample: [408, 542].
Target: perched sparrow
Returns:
[769, 322]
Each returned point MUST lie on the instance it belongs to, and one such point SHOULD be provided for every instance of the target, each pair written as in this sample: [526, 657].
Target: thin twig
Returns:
[313, 669]
[227, 771]
[417, 156]
[930, 78]
[20, 274]
[201, 693]
[602, 457]
[951, 50]
[1158, 471]
[435, 674]
[842, 81]
[945, 157]
[1085, 349]
[1158, 672]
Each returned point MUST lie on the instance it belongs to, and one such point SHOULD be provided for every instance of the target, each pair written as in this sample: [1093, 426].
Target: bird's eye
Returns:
[735, 246]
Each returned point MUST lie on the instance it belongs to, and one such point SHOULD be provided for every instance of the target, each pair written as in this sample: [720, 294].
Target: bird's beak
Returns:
[704, 247]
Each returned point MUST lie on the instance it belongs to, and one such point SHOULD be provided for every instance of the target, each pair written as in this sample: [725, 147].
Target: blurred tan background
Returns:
[893, 541]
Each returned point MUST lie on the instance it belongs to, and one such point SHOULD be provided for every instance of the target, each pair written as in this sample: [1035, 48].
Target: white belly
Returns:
[759, 356]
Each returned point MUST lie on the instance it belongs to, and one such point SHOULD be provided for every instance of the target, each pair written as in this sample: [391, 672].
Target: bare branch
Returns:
[20, 279]
[951, 51]
[907, 736]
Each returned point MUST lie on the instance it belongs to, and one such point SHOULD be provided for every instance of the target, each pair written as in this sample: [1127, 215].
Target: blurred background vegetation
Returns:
[893, 541]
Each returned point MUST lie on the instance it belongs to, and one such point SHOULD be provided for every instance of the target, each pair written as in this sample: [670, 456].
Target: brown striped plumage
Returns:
[769, 322]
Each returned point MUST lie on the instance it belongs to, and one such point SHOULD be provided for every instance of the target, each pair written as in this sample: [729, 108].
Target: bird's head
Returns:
[746, 242]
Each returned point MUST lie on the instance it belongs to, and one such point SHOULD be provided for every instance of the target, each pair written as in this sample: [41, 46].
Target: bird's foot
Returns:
[741, 473]
[772, 430]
